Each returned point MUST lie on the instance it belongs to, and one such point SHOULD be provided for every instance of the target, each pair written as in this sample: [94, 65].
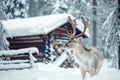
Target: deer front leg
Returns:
[83, 73]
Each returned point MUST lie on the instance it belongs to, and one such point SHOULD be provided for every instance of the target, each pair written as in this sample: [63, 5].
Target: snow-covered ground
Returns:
[50, 72]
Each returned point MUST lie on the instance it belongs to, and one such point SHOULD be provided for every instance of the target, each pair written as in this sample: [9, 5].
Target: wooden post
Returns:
[118, 43]
[94, 23]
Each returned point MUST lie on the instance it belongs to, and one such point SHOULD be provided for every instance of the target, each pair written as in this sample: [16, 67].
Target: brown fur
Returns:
[87, 49]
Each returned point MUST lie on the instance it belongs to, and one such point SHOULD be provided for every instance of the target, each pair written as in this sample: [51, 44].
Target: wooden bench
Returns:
[18, 59]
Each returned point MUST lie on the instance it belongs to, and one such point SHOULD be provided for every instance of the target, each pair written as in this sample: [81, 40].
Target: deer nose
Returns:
[66, 45]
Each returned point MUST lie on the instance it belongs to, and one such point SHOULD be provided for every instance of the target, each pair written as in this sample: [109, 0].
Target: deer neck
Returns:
[82, 48]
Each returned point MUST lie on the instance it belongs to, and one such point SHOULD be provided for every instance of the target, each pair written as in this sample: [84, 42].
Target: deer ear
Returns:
[80, 38]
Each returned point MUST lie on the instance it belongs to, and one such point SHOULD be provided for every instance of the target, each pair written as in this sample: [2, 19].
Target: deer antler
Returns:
[73, 23]
[85, 22]
[66, 32]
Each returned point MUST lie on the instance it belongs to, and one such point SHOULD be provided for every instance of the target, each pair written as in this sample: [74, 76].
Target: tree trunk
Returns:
[94, 23]
[118, 43]
[32, 8]
[119, 57]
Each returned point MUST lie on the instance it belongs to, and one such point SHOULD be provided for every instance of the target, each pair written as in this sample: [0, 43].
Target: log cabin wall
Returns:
[27, 41]
[38, 41]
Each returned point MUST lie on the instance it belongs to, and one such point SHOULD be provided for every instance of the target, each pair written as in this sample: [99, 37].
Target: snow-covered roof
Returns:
[37, 25]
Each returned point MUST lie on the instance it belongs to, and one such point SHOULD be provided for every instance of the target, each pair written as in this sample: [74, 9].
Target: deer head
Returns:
[75, 40]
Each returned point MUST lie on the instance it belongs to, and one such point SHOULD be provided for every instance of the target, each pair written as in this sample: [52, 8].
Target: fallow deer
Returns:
[90, 60]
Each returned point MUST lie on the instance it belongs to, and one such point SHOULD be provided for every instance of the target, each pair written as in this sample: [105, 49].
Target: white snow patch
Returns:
[60, 59]
[14, 66]
[50, 72]
[107, 21]
[29, 50]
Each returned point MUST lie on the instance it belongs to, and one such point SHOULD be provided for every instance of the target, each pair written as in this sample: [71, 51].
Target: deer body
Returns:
[90, 60]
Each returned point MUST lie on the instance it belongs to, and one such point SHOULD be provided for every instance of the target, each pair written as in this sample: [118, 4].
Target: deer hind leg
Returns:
[91, 72]
[83, 72]
[100, 63]
[99, 67]
[97, 70]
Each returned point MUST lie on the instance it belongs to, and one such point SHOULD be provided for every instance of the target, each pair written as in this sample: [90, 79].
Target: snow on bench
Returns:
[60, 59]
[7, 63]
[20, 51]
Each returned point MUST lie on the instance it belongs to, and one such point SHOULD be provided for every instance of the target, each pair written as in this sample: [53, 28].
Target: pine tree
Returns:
[111, 36]
[4, 44]
[16, 8]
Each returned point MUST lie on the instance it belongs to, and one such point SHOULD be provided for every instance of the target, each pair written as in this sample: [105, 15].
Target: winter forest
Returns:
[27, 37]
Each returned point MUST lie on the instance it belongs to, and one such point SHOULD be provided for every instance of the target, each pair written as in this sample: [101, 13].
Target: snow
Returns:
[32, 60]
[13, 61]
[107, 20]
[14, 66]
[60, 59]
[43, 71]
[29, 50]
[36, 25]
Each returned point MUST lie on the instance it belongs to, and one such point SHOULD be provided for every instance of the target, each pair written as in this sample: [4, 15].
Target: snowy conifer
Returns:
[16, 8]
[3, 41]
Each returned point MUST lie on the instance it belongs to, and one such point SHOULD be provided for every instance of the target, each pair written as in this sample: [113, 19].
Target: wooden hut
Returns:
[37, 31]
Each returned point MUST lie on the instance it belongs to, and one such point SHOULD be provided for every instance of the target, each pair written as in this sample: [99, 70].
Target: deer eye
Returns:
[74, 41]
[72, 38]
